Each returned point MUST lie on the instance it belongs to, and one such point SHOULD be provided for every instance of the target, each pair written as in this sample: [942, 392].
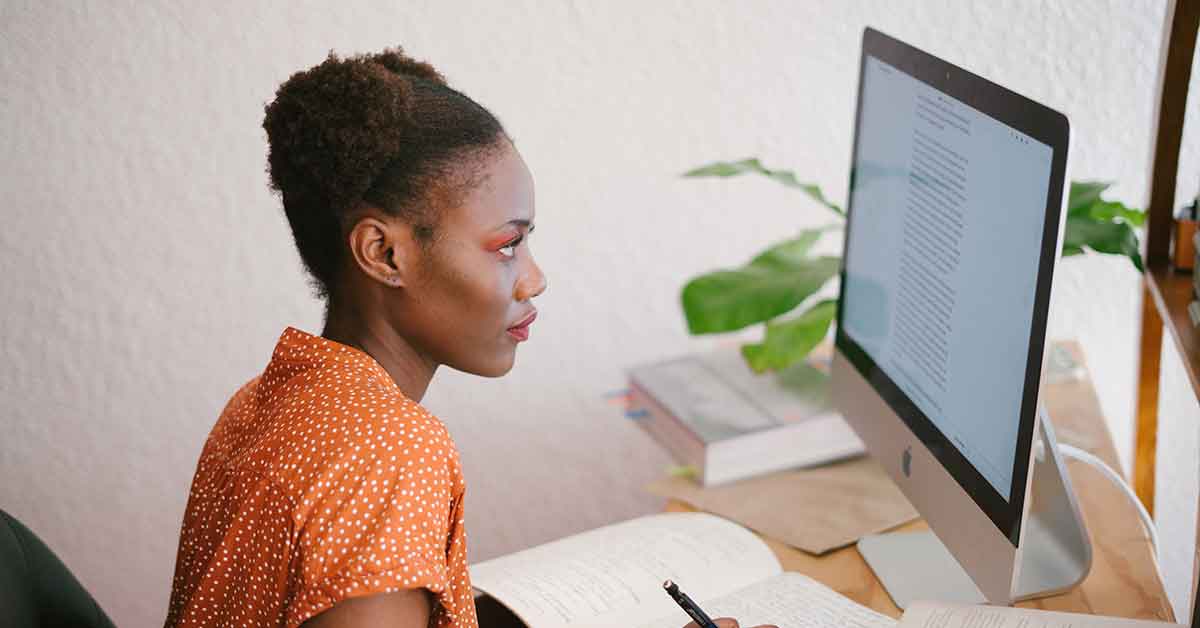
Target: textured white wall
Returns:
[147, 271]
[1177, 478]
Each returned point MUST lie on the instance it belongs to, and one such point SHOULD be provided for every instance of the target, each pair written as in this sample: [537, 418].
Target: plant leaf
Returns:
[1083, 194]
[788, 253]
[1109, 211]
[1102, 236]
[753, 165]
[815, 192]
[790, 341]
[728, 300]
[724, 169]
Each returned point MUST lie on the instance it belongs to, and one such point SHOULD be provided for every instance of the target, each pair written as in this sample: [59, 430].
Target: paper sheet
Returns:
[816, 510]
[934, 615]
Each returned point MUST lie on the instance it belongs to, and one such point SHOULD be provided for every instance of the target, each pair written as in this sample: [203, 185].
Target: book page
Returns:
[613, 576]
[788, 600]
[937, 615]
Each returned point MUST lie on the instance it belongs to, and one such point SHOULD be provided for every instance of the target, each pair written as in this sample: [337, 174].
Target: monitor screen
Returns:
[948, 213]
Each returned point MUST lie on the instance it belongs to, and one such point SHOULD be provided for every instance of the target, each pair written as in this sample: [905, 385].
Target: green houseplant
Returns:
[774, 288]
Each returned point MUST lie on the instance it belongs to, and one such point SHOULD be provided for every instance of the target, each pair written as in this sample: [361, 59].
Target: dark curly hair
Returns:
[378, 129]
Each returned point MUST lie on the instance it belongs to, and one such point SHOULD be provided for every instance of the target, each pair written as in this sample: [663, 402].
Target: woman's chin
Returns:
[496, 367]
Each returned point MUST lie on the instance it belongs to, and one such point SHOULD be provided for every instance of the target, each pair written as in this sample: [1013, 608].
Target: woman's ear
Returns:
[384, 249]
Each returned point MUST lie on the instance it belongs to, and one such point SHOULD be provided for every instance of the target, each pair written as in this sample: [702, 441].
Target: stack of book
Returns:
[1194, 306]
[713, 413]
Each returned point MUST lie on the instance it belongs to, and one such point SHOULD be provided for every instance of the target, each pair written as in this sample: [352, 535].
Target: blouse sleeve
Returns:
[376, 520]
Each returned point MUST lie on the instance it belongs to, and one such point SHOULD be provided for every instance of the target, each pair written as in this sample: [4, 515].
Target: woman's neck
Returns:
[372, 335]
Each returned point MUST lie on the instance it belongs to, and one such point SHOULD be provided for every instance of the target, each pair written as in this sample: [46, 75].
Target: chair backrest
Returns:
[36, 588]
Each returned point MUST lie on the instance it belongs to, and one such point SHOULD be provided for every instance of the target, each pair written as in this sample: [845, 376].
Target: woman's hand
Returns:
[727, 622]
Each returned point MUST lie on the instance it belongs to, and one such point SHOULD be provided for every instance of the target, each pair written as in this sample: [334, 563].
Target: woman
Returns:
[326, 495]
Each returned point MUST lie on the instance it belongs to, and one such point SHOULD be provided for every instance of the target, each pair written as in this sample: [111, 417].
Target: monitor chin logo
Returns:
[906, 462]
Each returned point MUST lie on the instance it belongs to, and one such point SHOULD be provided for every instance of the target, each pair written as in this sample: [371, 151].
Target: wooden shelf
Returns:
[1166, 294]
[1172, 292]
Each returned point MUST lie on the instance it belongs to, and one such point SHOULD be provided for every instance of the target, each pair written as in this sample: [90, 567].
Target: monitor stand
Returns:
[1054, 556]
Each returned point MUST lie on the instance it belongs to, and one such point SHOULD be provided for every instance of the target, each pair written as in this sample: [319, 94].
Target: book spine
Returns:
[684, 445]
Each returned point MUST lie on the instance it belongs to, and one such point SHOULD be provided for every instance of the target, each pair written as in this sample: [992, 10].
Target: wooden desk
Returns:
[1123, 581]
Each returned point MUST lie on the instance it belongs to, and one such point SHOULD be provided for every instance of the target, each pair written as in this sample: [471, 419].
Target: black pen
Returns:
[688, 605]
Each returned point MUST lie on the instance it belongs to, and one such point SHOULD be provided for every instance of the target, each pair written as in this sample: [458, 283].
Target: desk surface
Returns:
[1123, 581]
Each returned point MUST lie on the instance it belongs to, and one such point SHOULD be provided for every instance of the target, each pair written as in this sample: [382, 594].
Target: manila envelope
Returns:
[817, 510]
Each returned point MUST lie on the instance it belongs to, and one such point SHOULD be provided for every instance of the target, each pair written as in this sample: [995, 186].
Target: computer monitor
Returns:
[953, 231]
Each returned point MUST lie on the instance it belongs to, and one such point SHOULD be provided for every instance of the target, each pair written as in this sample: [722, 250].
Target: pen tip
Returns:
[667, 584]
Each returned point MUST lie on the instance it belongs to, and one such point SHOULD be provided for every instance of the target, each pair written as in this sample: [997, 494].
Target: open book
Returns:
[613, 576]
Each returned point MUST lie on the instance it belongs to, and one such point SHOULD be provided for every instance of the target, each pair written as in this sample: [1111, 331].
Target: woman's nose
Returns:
[531, 284]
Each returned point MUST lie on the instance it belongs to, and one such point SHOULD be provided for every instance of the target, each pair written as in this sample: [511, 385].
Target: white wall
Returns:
[1177, 478]
[147, 271]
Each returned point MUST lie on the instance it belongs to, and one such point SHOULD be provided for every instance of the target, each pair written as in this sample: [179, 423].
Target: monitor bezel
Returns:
[1041, 123]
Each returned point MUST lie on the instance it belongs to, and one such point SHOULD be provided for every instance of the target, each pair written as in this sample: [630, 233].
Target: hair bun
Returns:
[333, 127]
[395, 60]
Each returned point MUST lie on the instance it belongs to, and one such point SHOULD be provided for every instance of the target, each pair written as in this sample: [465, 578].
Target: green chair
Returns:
[36, 588]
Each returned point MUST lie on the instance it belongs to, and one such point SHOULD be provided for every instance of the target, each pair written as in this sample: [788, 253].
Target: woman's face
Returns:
[472, 304]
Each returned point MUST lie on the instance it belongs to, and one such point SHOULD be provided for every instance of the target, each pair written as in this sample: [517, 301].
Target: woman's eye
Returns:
[510, 249]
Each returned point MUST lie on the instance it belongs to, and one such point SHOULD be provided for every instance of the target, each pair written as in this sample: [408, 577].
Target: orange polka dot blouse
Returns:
[320, 482]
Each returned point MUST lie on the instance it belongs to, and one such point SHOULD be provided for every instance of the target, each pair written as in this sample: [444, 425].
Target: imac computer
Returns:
[954, 227]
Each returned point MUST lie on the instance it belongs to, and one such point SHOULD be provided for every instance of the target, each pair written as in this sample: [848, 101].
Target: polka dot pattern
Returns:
[321, 482]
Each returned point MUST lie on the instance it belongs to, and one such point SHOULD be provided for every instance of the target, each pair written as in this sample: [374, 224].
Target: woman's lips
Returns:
[520, 331]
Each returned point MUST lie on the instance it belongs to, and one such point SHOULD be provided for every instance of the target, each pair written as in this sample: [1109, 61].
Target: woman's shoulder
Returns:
[369, 406]
[332, 395]
[364, 426]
